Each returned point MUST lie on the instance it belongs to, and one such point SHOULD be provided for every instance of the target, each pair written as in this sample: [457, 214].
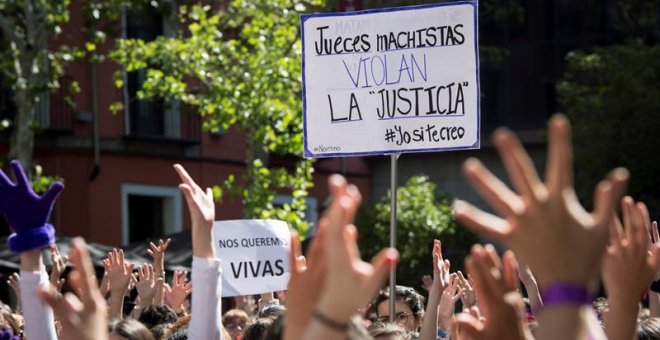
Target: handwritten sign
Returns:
[254, 254]
[391, 80]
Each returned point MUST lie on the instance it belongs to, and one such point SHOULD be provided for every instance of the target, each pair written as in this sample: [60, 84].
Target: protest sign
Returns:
[391, 80]
[254, 254]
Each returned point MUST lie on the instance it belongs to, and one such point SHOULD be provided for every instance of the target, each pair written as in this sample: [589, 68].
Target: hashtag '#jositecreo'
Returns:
[389, 135]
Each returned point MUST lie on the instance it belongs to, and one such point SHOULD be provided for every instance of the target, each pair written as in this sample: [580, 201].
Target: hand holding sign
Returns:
[202, 213]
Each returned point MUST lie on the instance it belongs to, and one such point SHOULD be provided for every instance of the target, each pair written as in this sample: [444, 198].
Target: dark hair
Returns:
[160, 331]
[389, 329]
[648, 329]
[276, 329]
[130, 329]
[272, 311]
[181, 334]
[406, 294]
[257, 329]
[157, 314]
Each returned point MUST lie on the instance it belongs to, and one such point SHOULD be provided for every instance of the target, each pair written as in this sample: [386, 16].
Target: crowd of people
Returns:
[557, 253]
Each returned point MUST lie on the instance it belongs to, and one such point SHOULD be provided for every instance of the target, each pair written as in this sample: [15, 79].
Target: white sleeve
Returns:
[38, 316]
[206, 314]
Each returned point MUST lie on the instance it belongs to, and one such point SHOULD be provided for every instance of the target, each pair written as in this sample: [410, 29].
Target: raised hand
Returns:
[202, 213]
[119, 272]
[14, 284]
[441, 277]
[468, 295]
[529, 281]
[628, 256]
[157, 252]
[146, 284]
[448, 301]
[119, 278]
[655, 239]
[305, 273]
[104, 285]
[499, 301]
[543, 222]
[59, 266]
[86, 318]
[26, 212]
[427, 282]
[349, 282]
[177, 294]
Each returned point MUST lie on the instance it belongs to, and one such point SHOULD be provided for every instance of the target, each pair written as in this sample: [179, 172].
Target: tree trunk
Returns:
[21, 143]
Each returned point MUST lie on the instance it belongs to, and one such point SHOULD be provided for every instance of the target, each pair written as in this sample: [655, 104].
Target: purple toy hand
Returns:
[26, 212]
[8, 334]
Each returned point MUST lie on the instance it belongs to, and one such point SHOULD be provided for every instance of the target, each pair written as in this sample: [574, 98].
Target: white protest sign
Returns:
[391, 80]
[254, 254]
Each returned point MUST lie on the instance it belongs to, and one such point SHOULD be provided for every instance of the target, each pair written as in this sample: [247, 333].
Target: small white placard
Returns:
[391, 80]
[254, 254]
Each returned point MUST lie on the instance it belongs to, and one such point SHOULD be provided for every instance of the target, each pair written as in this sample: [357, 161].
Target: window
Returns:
[154, 117]
[149, 211]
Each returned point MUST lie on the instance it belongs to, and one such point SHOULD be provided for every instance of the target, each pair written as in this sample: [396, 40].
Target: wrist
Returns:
[32, 238]
[563, 294]
[340, 311]
[116, 293]
[32, 261]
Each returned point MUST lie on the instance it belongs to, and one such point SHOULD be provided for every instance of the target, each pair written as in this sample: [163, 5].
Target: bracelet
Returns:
[332, 324]
[561, 293]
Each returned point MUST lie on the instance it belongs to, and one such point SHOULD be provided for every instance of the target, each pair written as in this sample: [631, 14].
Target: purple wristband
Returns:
[561, 293]
[32, 238]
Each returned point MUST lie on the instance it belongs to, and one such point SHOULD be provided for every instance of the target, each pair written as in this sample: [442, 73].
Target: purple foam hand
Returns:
[8, 334]
[26, 212]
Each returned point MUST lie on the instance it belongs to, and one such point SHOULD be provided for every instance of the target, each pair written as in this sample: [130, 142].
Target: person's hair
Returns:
[181, 324]
[648, 329]
[276, 329]
[130, 329]
[157, 314]
[235, 314]
[257, 329]
[356, 329]
[389, 329]
[180, 334]
[11, 321]
[160, 331]
[271, 311]
[406, 294]
[600, 306]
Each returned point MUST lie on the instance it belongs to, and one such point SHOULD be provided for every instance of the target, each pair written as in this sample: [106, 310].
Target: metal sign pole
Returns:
[393, 176]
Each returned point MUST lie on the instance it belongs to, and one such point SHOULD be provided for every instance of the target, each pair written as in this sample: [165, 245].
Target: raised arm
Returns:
[349, 282]
[83, 318]
[119, 278]
[628, 269]
[440, 282]
[205, 322]
[27, 215]
[500, 312]
[545, 225]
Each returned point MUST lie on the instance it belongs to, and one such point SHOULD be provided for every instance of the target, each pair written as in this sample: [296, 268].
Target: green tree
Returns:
[423, 214]
[238, 63]
[32, 68]
[611, 95]
[28, 66]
